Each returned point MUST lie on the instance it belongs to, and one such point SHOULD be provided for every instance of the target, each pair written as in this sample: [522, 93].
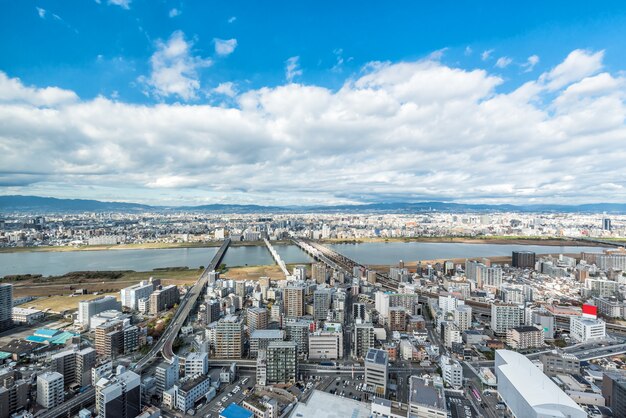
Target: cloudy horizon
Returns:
[426, 128]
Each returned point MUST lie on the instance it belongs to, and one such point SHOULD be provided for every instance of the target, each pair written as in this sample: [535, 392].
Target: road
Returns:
[165, 344]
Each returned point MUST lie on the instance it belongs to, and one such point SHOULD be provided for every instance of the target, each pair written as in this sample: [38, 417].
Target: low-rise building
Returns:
[525, 337]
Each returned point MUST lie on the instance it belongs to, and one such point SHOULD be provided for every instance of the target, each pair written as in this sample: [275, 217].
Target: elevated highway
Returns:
[164, 345]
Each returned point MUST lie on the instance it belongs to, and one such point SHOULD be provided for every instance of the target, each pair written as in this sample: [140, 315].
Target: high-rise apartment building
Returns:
[229, 337]
[6, 306]
[281, 362]
[257, 318]
[321, 304]
[50, 389]
[463, 317]
[89, 308]
[163, 298]
[363, 339]
[523, 259]
[119, 396]
[505, 316]
[319, 273]
[293, 301]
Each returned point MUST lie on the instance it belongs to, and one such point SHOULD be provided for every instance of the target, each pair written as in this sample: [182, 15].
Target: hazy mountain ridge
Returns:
[38, 204]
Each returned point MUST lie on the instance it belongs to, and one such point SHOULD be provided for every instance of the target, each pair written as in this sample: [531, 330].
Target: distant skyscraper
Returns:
[6, 306]
[606, 224]
[523, 259]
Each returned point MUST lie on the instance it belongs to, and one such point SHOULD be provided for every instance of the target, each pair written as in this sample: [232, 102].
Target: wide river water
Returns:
[57, 263]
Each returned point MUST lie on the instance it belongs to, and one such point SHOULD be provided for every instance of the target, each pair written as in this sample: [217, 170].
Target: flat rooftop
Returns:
[376, 356]
[423, 392]
[325, 405]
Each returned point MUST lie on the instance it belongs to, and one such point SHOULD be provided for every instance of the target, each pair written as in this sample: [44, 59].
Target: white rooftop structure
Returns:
[530, 393]
[325, 405]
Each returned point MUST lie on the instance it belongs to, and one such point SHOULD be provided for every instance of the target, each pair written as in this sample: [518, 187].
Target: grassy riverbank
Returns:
[503, 239]
[137, 246]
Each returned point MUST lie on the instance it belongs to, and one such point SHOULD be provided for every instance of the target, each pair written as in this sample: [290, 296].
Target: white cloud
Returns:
[175, 69]
[437, 55]
[503, 62]
[399, 131]
[124, 4]
[292, 69]
[227, 89]
[41, 12]
[486, 54]
[225, 47]
[578, 64]
[468, 51]
[338, 67]
[232, 19]
[174, 12]
[530, 63]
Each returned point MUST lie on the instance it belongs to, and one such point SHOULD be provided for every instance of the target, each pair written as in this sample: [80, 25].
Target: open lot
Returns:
[61, 303]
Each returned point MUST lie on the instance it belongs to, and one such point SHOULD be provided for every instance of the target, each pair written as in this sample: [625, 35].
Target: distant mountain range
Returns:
[37, 204]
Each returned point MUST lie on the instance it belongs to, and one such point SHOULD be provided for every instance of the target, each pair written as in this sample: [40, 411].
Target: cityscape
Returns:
[309, 210]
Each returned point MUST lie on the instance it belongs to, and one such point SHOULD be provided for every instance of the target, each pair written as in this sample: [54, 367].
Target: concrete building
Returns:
[50, 389]
[319, 273]
[524, 337]
[119, 396]
[282, 362]
[546, 321]
[166, 375]
[184, 396]
[64, 363]
[14, 393]
[109, 339]
[363, 340]
[397, 318]
[527, 392]
[26, 315]
[131, 295]
[257, 318]
[325, 405]
[523, 259]
[614, 392]
[213, 310]
[229, 338]
[260, 339]
[293, 301]
[377, 371]
[505, 316]
[426, 399]
[196, 364]
[89, 308]
[298, 332]
[321, 304]
[555, 363]
[163, 298]
[451, 372]
[6, 306]
[586, 329]
[325, 345]
[463, 317]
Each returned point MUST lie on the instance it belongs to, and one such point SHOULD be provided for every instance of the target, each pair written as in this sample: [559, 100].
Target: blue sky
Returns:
[271, 68]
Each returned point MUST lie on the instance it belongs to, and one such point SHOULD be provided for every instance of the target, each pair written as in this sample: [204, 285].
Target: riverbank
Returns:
[497, 240]
[138, 246]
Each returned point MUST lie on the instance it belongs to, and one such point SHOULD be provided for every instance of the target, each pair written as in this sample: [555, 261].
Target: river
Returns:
[57, 263]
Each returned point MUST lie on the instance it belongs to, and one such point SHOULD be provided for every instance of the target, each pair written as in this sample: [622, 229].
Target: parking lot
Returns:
[226, 395]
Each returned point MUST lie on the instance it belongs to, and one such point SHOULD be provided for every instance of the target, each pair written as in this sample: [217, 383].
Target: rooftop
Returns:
[376, 356]
[267, 334]
[423, 392]
[235, 411]
[324, 405]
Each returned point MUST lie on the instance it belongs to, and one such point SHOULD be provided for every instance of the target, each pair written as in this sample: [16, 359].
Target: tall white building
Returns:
[131, 295]
[505, 316]
[451, 371]
[449, 303]
[463, 317]
[89, 308]
[376, 370]
[196, 363]
[50, 389]
[528, 392]
[363, 339]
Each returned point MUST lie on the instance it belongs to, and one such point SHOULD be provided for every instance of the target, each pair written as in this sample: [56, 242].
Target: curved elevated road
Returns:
[165, 343]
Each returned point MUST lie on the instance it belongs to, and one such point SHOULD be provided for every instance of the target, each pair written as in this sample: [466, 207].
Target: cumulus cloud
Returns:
[503, 62]
[124, 4]
[225, 47]
[292, 69]
[398, 131]
[175, 69]
[578, 64]
[174, 12]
